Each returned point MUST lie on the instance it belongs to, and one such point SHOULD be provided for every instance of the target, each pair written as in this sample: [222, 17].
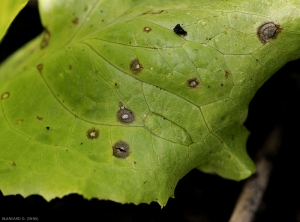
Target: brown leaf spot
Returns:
[92, 133]
[193, 83]
[39, 117]
[121, 149]
[40, 67]
[227, 74]
[125, 115]
[5, 95]
[75, 21]
[135, 66]
[267, 32]
[147, 29]
[46, 38]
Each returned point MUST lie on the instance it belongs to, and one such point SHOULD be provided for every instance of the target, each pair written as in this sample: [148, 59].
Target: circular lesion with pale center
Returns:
[92, 133]
[268, 31]
[193, 83]
[5, 95]
[125, 115]
[135, 66]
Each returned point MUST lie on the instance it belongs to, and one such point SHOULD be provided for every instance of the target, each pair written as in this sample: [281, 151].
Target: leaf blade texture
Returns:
[186, 96]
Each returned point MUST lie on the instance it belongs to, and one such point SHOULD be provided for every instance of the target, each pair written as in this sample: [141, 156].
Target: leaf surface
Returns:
[110, 102]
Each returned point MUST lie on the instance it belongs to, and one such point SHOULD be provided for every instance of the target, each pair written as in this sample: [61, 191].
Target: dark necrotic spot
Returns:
[135, 66]
[47, 127]
[92, 133]
[179, 30]
[121, 149]
[193, 83]
[75, 21]
[46, 38]
[227, 74]
[268, 31]
[125, 115]
[39, 117]
[147, 29]
[5, 95]
[40, 67]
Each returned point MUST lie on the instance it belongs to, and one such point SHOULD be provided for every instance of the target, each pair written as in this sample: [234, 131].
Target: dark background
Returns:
[198, 196]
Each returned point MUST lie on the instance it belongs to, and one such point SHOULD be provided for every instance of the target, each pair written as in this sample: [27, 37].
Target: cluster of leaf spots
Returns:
[175, 88]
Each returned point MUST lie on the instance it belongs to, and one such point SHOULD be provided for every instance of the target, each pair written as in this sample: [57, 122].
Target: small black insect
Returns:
[179, 31]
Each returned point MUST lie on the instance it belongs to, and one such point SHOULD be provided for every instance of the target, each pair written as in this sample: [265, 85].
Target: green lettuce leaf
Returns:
[111, 102]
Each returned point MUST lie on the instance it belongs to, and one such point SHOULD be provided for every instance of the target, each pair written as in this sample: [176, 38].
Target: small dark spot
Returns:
[121, 149]
[208, 86]
[46, 38]
[267, 32]
[216, 58]
[69, 67]
[221, 84]
[135, 66]
[227, 74]
[145, 182]
[5, 95]
[147, 29]
[47, 127]
[116, 84]
[40, 67]
[134, 162]
[101, 11]
[80, 143]
[39, 117]
[66, 150]
[20, 121]
[75, 21]
[179, 30]
[13, 164]
[125, 115]
[92, 133]
[102, 20]
[193, 83]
